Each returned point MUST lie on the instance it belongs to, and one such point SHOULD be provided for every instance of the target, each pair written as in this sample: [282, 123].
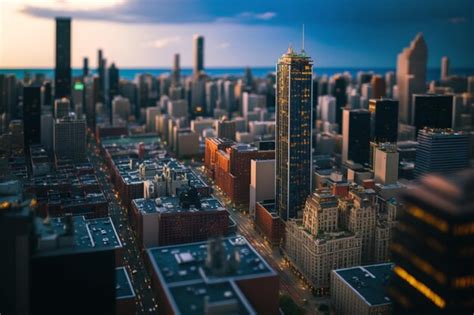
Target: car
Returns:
[134, 271]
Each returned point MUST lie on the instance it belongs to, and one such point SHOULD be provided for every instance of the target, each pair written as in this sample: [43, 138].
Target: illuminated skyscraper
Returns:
[293, 132]
[198, 53]
[62, 71]
[432, 247]
[411, 75]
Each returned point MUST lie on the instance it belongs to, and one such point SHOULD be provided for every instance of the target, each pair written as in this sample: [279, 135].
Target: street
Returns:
[146, 303]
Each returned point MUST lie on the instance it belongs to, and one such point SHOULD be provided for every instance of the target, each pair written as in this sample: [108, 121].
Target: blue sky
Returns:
[341, 33]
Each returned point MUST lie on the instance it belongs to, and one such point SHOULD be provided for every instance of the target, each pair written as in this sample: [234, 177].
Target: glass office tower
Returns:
[62, 71]
[293, 132]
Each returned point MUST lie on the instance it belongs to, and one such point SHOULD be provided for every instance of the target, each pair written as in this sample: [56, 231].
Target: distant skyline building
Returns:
[293, 132]
[339, 92]
[62, 71]
[432, 111]
[101, 74]
[32, 115]
[356, 136]
[114, 86]
[444, 68]
[176, 74]
[411, 75]
[198, 54]
[383, 120]
[85, 67]
[441, 151]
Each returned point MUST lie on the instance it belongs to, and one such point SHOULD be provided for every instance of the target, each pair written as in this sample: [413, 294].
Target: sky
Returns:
[146, 33]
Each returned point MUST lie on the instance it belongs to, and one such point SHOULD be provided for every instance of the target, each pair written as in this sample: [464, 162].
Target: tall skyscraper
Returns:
[444, 68]
[293, 132]
[198, 53]
[441, 151]
[432, 110]
[383, 120]
[176, 75]
[85, 67]
[62, 71]
[114, 87]
[411, 75]
[101, 73]
[356, 135]
[378, 86]
[339, 92]
[432, 247]
[32, 115]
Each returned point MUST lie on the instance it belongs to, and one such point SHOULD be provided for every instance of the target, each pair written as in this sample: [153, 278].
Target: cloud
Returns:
[266, 16]
[223, 45]
[163, 42]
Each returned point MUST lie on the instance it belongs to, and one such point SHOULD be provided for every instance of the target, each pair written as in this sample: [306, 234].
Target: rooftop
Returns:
[191, 288]
[127, 140]
[88, 233]
[368, 282]
[178, 264]
[123, 286]
[168, 204]
[191, 299]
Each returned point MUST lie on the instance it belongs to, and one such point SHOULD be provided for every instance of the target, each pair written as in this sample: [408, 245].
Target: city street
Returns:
[132, 259]
[290, 284]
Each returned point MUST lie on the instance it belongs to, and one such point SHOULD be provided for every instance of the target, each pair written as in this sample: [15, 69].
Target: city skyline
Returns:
[234, 35]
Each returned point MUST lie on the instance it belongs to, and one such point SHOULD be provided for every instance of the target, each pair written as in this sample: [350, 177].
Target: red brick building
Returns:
[269, 223]
[228, 163]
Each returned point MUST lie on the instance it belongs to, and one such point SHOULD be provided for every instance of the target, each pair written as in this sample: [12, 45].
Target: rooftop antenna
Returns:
[302, 44]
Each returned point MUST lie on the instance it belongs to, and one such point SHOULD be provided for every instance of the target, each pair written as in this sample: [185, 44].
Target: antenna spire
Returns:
[302, 41]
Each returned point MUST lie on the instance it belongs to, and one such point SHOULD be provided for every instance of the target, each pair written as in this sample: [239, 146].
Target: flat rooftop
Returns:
[125, 140]
[190, 299]
[88, 233]
[123, 285]
[190, 287]
[170, 204]
[368, 282]
[179, 264]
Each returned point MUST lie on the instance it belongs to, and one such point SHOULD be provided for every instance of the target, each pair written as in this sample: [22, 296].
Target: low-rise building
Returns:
[178, 219]
[361, 290]
[224, 276]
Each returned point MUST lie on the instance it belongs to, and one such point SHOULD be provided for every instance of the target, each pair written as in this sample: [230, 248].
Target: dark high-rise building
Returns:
[114, 86]
[85, 67]
[32, 114]
[101, 73]
[441, 151]
[294, 86]
[356, 135]
[432, 111]
[198, 53]
[46, 94]
[62, 72]
[432, 247]
[339, 92]
[176, 75]
[383, 120]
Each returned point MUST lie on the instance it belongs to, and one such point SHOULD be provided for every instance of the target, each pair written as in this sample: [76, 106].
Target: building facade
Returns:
[293, 132]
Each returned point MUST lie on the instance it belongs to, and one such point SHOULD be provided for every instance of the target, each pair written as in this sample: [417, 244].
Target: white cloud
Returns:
[163, 42]
[248, 17]
[224, 45]
[265, 16]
